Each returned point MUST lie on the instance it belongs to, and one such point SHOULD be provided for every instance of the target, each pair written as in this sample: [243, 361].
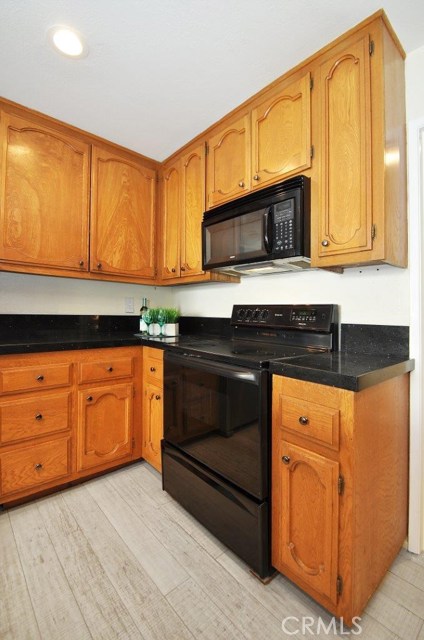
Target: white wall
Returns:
[368, 295]
[20, 293]
[415, 118]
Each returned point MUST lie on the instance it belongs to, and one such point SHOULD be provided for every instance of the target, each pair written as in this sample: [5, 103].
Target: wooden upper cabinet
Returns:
[193, 206]
[171, 221]
[122, 216]
[183, 205]
[359, 197]
[281, 134]
[345, 144]
[44, 196]
[228, 162]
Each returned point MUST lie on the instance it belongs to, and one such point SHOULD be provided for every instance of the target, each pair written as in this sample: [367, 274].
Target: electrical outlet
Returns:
[129, 305]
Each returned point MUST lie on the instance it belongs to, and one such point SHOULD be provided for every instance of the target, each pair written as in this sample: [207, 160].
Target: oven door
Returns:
[217, 414]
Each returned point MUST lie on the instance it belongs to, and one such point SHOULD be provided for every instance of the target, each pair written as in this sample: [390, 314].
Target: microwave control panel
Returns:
[283, 223]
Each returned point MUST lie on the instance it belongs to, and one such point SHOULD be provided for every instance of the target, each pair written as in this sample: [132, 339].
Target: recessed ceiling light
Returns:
[67, 41]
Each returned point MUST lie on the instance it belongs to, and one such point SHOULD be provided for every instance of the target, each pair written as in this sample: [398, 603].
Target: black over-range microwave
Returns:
[266, 231]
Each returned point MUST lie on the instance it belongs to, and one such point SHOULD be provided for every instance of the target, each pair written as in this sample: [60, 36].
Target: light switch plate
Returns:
[129, 305]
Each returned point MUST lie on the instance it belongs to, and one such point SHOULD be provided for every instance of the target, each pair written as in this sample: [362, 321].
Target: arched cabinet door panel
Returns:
[44, 200]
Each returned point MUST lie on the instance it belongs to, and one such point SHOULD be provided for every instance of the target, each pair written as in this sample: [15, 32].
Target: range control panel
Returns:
[319, 317]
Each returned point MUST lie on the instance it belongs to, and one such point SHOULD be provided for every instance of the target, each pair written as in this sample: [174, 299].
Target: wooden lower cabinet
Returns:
[339, 503]
[152, 406]
[105, 425]
[67, 415]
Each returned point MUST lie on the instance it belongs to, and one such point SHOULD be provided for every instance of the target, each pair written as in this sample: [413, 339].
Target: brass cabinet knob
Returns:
[40, 378]
[99, 265]
[89, 398]
[241, 184]
[256, 177]
[157, 397]
[152, 369]
[110, 369]
[173, 270]
[304, 420]
[39, 416]
[38, 466]
[182, 268]
[81, 263]
[325, 243]
[286, 459]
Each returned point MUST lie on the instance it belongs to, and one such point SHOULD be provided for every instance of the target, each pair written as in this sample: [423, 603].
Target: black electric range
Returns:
[217, 399]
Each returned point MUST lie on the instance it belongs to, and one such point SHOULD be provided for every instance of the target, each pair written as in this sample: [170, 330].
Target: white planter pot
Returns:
[154, 329]
[171, 329]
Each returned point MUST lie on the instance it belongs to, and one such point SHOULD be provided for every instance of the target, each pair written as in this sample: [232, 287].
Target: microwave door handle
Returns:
[267, 230]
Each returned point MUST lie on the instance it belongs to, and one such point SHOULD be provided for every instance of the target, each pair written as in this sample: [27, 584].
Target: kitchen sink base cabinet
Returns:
[67, 415]
[339, 487]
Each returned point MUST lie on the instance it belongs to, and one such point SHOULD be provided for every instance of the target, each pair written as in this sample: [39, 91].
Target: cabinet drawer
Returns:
[99, 371]
[22, 419]
[312, 420]
[34, 466]
[37, 377]
[153, 366]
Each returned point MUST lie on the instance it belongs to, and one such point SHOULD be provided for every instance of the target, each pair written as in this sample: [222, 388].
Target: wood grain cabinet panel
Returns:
[281, 134]
[44, 196]
[21, 419]
[122, 216]
[308, 531]
[34, 466]
[101, 370]
[228, 162]
[35, 378]
[359, 198]
[183, 207]
[152, 406]
[105, 425]
[345, 213]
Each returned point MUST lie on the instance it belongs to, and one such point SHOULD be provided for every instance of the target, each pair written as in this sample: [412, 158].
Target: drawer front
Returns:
[101, 370]
[34, 466]
[39, 416]
[153, 366]
[314, 421]
[34, 378]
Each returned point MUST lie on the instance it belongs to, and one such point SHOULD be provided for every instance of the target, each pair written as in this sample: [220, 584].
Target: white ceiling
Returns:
[161, 71]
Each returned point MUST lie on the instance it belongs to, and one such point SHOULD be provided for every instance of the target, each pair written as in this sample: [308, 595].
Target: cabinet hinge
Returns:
[206, 149]
[340, 485]
[373, 231]
[311, 83]
[371, 47]
[339, 585]
[312, 151]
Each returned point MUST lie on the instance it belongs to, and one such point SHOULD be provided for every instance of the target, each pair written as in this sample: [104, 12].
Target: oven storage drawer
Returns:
[239, 522]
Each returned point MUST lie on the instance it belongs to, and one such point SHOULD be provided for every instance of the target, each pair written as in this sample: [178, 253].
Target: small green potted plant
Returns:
[171, 326]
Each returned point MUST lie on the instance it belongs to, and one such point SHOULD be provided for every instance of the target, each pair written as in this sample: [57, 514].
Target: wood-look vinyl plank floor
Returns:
[117, 558]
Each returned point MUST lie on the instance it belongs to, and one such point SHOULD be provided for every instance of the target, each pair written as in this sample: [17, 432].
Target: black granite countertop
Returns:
[342, 369]
[353, 370]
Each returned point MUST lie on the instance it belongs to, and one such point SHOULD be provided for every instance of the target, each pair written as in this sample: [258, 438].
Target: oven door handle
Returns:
[196, 361]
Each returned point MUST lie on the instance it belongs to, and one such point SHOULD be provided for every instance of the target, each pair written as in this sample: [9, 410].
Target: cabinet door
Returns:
[153, 425]
[228, 163]
[306, 516]
[44, 196]
[105, 424]
[122, 216]
[171, 221]
[281, 134]
[193, 206]
[345, 217]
